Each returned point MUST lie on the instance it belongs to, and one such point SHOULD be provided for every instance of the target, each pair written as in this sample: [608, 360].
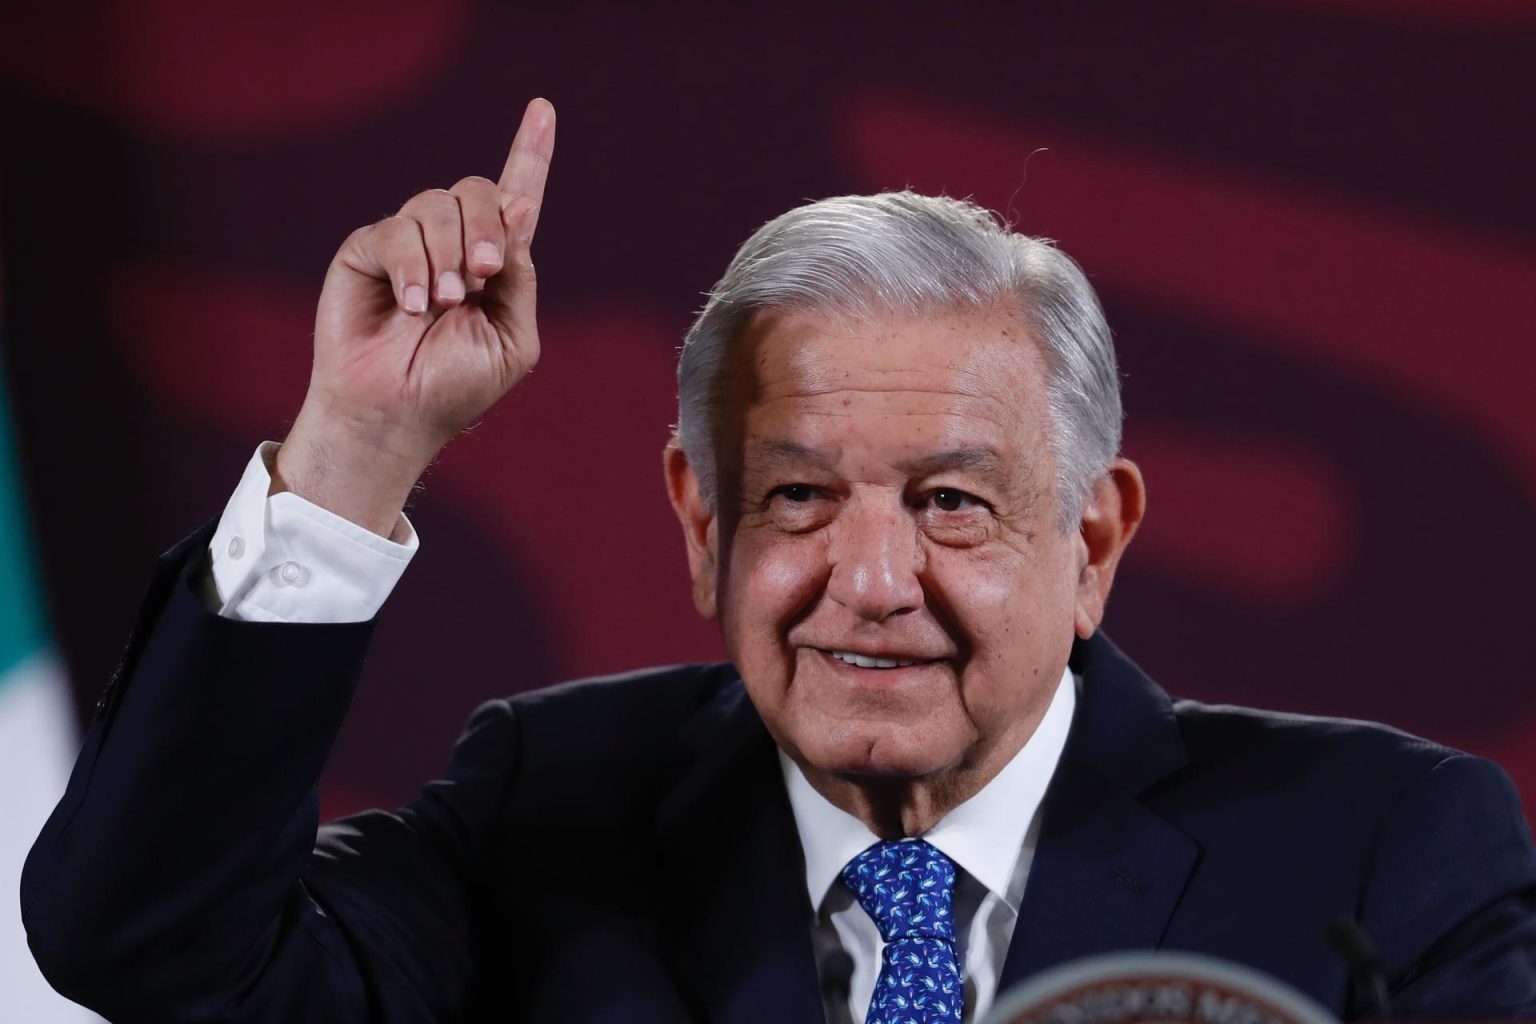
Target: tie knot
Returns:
[907, 887]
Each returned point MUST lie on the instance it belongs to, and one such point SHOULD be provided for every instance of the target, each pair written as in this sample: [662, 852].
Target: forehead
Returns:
[971, 378]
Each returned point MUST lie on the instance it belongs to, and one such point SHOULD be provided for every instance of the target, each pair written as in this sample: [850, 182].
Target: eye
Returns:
[798, 507]
[797, 493]
[947, 499]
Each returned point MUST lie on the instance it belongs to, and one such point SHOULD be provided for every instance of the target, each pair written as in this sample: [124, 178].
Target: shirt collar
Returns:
[984, 836]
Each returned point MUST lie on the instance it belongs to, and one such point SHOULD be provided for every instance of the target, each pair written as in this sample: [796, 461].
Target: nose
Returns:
[876, 560]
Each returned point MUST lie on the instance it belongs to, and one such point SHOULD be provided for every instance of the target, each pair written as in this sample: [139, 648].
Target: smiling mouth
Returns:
[867, 661]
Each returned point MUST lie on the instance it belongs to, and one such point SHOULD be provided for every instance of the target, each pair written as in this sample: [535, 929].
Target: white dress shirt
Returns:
[991, 838]
[284, 559]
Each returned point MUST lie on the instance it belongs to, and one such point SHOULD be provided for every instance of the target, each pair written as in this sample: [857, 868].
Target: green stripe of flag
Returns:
[21, 619]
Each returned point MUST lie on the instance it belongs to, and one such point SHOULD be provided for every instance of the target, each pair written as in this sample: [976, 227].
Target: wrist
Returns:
[362, 475]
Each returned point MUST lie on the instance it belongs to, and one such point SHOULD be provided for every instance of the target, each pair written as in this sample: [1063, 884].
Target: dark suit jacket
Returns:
[623, 849]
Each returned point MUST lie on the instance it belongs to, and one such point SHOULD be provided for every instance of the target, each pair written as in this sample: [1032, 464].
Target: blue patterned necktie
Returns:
[908, 887]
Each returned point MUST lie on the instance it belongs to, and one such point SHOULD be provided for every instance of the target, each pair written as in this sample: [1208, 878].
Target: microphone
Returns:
[1367, 974]
[835, 968]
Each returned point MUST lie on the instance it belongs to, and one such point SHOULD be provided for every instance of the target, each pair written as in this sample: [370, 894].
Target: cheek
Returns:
[770, 581]
[1015, 608]
[1021, 632]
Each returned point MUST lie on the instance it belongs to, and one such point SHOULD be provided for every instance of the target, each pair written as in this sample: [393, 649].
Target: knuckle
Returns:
[482, 219]
[434, 204]
[391, 228]
[473, 183]
[403, 256]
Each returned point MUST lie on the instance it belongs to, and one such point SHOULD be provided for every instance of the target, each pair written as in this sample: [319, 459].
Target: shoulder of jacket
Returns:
[665, 689]
[631, 714]
[1305, 744]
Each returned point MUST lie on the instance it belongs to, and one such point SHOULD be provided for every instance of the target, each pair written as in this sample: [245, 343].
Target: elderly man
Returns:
[924, 776]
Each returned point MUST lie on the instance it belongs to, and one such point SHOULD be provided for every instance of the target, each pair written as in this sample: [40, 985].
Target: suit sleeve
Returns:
[1451, 897]
[181, 879]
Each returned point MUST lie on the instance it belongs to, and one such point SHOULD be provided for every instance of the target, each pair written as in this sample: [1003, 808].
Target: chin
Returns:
[888, 751]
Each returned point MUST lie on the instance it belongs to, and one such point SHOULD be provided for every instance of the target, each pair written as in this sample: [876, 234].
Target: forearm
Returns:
[363, 475]
[174, 856]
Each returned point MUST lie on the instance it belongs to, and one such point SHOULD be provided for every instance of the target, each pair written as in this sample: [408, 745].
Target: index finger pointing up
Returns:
[528, 162]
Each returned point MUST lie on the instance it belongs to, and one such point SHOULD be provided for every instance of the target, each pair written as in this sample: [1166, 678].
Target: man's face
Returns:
[888, 567]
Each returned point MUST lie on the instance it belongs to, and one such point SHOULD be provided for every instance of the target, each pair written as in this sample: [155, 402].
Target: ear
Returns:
[698, 522]
[1110, 518]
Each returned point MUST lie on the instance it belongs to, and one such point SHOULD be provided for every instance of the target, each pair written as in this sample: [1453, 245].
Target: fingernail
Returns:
[416, 299]
[450, 286]
[487, 254]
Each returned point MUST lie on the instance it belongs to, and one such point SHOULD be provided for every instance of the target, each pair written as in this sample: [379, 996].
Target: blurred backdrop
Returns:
[1310, 221]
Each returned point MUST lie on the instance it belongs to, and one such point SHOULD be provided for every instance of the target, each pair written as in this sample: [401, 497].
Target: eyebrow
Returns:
[977, 459]
[786, 453]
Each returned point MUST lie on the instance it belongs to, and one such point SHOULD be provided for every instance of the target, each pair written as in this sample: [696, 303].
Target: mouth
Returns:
[871, 661]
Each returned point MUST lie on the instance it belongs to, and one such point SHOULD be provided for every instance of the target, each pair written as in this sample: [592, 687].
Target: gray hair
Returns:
[904, 253]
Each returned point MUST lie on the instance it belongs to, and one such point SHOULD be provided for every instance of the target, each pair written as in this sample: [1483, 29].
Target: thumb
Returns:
[510, 297]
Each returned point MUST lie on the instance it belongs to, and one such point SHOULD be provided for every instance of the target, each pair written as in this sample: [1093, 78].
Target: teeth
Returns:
[864, 661]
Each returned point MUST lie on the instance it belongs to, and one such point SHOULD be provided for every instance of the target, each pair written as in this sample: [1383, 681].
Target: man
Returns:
[898, 478]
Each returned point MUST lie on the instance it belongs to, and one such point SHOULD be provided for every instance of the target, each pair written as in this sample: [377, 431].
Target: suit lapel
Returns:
[741, 932]
[1108, 872]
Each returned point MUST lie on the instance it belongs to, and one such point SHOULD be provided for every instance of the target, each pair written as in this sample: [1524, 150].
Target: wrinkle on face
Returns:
[868, 421]
[889, 488]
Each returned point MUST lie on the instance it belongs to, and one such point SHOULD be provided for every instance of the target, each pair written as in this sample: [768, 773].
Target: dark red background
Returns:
[1310, 221]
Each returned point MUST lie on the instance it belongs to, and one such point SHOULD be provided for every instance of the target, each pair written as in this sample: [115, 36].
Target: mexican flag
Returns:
[38, 743]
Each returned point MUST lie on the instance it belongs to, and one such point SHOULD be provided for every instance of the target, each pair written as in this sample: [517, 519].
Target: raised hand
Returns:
[426, 319]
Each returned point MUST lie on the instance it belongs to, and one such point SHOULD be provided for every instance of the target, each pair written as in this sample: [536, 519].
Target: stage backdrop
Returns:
[1310, 220]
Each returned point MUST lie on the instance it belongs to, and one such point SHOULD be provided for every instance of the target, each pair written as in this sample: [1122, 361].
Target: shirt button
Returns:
[236, 547]
[290, 574]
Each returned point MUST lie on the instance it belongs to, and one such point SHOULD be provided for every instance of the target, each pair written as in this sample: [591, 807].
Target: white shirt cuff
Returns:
[285, 559]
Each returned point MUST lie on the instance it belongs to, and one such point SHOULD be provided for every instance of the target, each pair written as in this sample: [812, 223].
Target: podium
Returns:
[1143, 987]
